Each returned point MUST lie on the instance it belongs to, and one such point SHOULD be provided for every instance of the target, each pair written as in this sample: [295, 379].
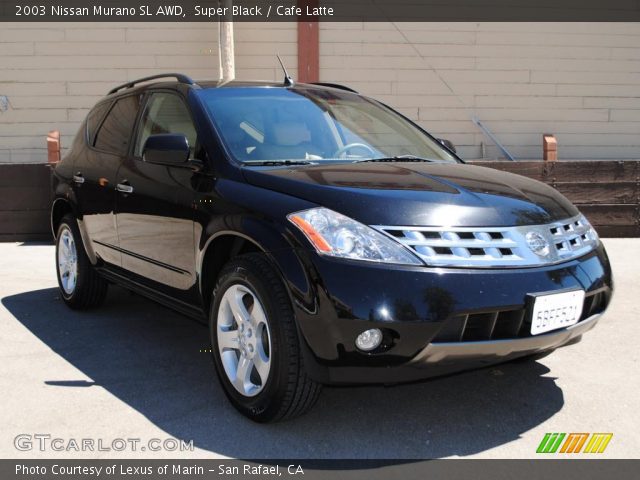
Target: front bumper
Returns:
[418, 308]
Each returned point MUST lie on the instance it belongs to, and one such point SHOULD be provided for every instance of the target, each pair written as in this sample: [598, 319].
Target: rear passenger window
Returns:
[115, 132]
[93, 120]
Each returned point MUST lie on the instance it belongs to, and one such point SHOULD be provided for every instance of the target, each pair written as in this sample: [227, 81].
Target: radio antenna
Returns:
[288, 81]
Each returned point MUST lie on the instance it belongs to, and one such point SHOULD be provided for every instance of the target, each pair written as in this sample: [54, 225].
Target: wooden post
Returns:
[308, 45]
[549, 147]
[53, 146]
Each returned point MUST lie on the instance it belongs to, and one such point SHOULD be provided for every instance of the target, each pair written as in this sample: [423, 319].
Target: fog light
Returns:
[369, 340]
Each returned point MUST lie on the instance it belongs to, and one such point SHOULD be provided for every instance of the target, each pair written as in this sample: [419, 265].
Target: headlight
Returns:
[335, 235]
[591, 232]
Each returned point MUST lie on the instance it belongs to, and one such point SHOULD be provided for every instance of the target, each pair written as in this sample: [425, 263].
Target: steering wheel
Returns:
[342, 150]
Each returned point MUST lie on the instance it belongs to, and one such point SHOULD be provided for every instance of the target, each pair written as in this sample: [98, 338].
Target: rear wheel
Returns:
[255, 343]
[80, 285]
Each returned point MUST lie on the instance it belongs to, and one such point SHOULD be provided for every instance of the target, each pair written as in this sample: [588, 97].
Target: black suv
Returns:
[324, 237]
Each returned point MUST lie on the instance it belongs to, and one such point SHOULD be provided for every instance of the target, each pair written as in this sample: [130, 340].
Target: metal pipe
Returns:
[226, 52]
[493, 138]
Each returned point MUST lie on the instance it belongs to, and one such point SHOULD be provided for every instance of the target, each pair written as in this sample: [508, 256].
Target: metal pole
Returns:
[493, 138]
[225, 45]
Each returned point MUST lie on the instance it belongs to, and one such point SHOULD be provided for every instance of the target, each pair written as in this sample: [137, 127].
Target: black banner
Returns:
[320, 10]
[319, 469]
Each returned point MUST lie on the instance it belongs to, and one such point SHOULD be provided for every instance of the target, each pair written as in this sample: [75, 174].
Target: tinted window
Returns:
[313, 124]
[165, 113]
[115, 131]
[94, 118]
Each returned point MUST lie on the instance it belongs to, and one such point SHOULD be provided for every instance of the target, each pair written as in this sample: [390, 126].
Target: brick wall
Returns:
[53, 73]
[580, 81]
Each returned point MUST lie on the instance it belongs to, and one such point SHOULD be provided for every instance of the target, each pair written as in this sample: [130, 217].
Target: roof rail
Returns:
[334, 85]
[178, 76]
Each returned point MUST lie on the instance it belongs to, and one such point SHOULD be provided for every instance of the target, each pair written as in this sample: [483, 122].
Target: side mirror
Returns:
[166, 149]
[448, 144]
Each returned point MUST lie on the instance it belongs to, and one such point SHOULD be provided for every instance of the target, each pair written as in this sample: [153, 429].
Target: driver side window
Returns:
[165, 113]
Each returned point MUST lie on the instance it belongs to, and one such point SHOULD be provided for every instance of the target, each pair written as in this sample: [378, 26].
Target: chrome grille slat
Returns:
[460, 243]
[495, 247]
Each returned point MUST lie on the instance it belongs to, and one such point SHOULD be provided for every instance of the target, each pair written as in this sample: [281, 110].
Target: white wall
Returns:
[53, 73]
[580, 81]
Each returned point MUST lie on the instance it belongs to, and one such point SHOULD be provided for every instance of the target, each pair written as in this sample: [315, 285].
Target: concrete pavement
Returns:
[135, 370]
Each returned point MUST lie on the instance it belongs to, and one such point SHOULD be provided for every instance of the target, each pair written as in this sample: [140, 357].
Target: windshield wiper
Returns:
[398, 158]
[276, 163]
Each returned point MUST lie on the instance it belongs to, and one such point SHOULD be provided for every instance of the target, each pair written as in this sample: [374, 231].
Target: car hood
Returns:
[419, 194]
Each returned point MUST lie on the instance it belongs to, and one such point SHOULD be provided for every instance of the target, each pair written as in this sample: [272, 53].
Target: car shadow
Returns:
[157, 362]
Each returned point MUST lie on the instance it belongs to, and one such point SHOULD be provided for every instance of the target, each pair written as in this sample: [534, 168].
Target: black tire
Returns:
[288, 391]
[90, 288]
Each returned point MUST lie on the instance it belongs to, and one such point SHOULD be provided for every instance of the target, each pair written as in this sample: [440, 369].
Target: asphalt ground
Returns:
[134, 370]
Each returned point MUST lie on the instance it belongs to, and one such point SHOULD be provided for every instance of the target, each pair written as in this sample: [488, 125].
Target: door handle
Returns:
[78, 178]
[124, 188]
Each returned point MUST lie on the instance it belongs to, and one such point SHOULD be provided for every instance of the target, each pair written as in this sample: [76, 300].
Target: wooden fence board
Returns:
[23, 199]
[27, 237]
[570, 171]
[607, 192]
[599, 193]
[26, 175]
[614, 215]
[25, 222]
[593, 171]
[618, 231]
[535, 170]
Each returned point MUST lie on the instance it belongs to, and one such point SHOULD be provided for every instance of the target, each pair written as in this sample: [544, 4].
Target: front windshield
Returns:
[309, 124]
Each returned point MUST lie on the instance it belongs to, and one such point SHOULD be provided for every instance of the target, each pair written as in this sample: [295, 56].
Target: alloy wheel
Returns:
[244, 340]
[67, 261]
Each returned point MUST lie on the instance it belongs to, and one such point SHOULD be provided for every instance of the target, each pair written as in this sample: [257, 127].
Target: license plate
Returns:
[556, 310]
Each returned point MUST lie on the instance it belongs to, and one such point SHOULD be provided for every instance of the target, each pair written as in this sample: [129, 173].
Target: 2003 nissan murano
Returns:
[326, 238]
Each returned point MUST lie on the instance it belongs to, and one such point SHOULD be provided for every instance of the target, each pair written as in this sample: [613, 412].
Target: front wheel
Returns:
[80, 285]
[255, 343]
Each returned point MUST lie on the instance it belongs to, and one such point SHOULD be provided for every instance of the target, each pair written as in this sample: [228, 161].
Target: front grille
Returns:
[495, 247]
[505, 324]
[572, 237]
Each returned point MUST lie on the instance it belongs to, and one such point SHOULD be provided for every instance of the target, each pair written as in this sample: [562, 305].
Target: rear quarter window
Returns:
[94, 118]
[115, 132]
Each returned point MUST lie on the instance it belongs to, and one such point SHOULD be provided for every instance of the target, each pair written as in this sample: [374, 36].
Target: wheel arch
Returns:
[218, 250]
[226, 244]
[59, 208]
[62, 206]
